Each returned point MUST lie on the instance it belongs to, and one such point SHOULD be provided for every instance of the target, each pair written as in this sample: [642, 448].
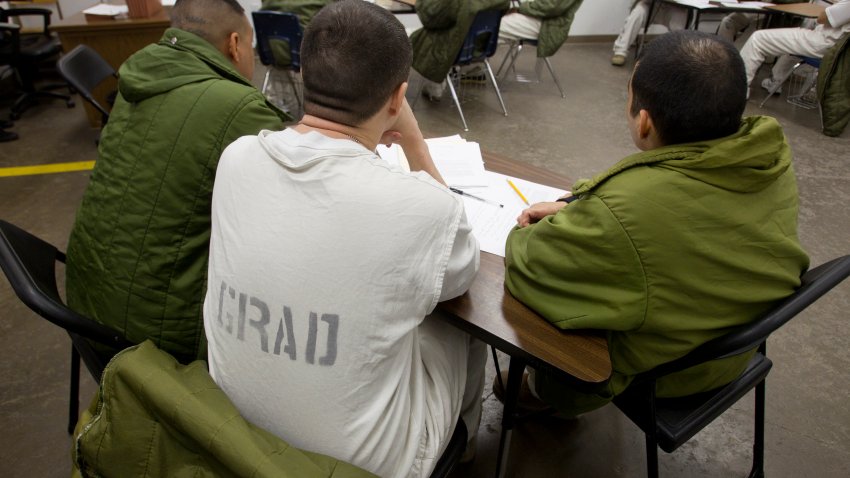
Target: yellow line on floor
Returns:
[46, 169]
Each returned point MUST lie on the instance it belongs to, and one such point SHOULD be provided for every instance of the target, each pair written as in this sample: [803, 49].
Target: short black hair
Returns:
[693, 85]
[354, 54]
[212, 20]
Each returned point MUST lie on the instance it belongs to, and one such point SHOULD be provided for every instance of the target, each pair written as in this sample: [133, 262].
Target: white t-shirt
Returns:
[839, 14]
[324, 260]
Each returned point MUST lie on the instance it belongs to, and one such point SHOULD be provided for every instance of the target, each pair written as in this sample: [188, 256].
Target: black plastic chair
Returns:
[26, 53]
[453, 452]
[480, 44]
[84, 69]
[670, 422]
[30, 265]
[284, 29]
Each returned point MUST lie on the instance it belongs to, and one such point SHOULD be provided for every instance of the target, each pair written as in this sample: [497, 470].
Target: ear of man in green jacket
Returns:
[137, 255]
[666, 250]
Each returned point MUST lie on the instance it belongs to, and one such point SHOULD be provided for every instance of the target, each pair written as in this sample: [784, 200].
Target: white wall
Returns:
[70, 7]
[600, 17]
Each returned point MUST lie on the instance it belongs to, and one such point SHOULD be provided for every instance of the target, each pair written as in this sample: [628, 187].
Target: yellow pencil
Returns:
[516, 189]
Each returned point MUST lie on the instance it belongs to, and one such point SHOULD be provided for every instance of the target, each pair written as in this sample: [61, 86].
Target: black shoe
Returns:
[6, 124]
[7, 136]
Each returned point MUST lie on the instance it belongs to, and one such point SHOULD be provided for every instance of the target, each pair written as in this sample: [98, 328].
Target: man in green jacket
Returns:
[674, 245]
[137, 255]
[547, 21]
[445, 24]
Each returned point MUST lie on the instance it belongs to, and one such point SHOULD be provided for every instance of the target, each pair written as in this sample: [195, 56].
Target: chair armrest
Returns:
[44, 13]
[10, 26]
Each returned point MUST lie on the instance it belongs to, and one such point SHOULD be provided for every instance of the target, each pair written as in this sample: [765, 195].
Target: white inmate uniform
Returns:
[794, 41]
[516, 26]
[324, 262]
[674, 18]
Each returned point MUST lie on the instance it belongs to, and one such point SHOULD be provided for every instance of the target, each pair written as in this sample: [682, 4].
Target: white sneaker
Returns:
[770, 84]
[433, 91]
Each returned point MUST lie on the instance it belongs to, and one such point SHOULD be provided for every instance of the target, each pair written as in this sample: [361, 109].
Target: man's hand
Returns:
[406, 133]
[538, 211]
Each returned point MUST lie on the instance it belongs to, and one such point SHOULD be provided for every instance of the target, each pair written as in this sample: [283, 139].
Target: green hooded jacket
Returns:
[834, 87]
[155, 417]
[445, 24]
[666, 250]
[137, 255]
[556, 19]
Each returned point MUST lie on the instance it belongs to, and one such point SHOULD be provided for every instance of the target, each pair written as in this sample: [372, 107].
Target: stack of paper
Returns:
[106, 10]
[459, 161]
[492, 205]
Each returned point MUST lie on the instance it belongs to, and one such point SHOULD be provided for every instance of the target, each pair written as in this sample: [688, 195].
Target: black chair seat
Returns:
[39, 47]
[679, 419]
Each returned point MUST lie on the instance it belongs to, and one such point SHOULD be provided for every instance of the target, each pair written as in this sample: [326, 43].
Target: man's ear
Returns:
[397, 99]
[234, 43]
[645, 125]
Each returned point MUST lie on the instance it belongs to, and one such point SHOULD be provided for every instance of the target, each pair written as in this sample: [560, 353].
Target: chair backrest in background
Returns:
[280, 26]
[482, 39]
[84, 69]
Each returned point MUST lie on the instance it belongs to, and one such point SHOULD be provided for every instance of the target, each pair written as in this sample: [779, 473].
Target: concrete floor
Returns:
[808, 420]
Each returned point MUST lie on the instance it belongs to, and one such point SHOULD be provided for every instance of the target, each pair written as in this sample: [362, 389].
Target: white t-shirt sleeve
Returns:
[463, 262]
[838, 14]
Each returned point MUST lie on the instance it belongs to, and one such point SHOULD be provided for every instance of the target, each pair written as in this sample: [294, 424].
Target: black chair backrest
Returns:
[482, 39]
[84, 69]
[30, 265]
[814, 283]
[282, 26]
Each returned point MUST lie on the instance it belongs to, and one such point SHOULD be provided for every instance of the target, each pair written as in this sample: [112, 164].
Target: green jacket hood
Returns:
[757, 152]
[171, 63]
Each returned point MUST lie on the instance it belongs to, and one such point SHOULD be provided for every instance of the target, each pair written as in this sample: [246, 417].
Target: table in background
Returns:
[808, 10]
[114, 39]
[490, 313]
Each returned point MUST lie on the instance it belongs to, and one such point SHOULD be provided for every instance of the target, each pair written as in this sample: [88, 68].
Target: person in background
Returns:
[325, 263]
[665, 14]
[736, 24]
[547, 21]
[137, 255]
[445, 24]
[674, 245]
[782, 42]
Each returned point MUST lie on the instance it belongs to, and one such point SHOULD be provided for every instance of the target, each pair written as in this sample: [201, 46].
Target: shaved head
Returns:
[212, 20]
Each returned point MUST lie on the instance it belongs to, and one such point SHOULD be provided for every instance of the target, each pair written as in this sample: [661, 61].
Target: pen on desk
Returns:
[516, 190]
[464, 193]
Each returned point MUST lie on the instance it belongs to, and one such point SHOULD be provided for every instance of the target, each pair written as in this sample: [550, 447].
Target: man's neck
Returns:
[363, 134]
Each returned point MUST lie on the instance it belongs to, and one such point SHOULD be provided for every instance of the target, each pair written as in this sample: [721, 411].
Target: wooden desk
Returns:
[490, 313]
[114, 40]
[808, 10]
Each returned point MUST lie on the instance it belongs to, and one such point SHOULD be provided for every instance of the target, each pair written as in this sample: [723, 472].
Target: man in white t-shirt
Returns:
[325, 262]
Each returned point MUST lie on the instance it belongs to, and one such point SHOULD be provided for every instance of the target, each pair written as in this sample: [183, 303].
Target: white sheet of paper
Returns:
[459, 161]
[460, 164]
[490, 223]
[106, 10]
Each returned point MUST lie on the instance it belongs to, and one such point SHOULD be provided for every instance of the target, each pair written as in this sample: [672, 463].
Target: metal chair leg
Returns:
[496, 86]
[651, 457]
[513, 52]
[758, 438]
[456, 100]
[266, 80]
[552, 71]
[515, 370]
[74, 399]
